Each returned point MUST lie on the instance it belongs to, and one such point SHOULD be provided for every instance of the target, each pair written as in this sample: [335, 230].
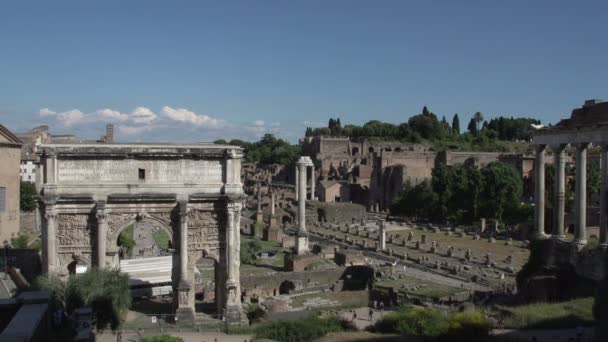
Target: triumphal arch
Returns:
[91, 192]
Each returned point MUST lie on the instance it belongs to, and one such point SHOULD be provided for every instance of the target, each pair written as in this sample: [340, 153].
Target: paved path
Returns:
[187, 336]
[363, 320]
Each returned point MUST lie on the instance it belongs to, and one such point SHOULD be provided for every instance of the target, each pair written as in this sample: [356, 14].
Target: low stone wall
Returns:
[334, 212]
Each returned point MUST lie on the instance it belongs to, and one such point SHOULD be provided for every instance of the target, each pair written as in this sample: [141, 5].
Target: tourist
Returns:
[371, 314]
[354, 315]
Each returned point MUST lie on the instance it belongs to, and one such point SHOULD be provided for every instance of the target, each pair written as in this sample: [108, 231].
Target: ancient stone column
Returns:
[539, 193]
[102, 232]
[49, 233]
[302, 235]
[580, 200]
[230, 259]
[183, 293]
[183, 240]
[312, 183]
[272, 204]
[381, 235]
[297, 182]
[604, 199]
[559, 193]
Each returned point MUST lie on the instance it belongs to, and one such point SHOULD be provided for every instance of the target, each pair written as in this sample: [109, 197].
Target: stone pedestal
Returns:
[302, 244]
[184, 297]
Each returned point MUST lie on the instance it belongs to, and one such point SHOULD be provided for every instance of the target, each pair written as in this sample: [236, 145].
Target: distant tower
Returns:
[109, 133]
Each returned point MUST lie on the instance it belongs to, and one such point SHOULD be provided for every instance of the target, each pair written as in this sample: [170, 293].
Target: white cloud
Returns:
[71, 117]
[107, 113]
[143, 115]
[258, 123]
[187, 116]
[127, 130]
[46, 112]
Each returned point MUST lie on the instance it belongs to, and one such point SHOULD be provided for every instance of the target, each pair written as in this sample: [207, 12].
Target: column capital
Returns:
[183, 209]
[582, 146]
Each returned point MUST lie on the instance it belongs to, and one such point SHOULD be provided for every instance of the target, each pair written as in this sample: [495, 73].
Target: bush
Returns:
[105, 291]
[161, 338]
[469, 323]
[302, 330]
[27, 196]
[21, 241]
[415, 321]
[249, 250]
[125, 239]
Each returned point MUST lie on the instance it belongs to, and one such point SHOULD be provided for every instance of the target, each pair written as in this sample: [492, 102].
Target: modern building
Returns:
[10, 156]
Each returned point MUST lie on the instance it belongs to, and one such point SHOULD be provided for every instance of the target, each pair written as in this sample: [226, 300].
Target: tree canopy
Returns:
[268, 150]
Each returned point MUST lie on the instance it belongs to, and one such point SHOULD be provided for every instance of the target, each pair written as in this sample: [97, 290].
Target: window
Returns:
[2, 199]
[142, 174]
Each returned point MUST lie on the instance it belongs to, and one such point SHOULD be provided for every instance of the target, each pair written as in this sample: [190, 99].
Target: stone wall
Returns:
[333, 212]
[10, 157]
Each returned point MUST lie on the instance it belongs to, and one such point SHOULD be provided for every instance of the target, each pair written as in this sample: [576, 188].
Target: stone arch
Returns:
[287, 287]
[398, 149]
[112, 238]
[371, 150]
[205, 272]
[286, 219]
[78, 260]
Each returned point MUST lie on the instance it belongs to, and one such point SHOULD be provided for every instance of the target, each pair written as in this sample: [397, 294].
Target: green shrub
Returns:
[415, 321]
[249, 250]
[302, 330]
[161, 338]
[51, 282]
[469, 323]
[567, 314]
[21, 241]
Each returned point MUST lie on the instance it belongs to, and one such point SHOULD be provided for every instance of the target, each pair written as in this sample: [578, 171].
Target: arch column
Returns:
[184, 291]
[559, 193]
[49, 234]
[312, 182]
[297, 182]
[580, 201]
[539, 192]
[233, 311]
[102, 232]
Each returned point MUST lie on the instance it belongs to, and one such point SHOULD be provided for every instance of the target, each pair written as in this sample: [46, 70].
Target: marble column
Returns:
[381, 235]
[49, 233]
[604, 198]
[233, 311]
[302, 235]
[539, 192]
[312, 183]
[580, 200]
[184, 294]
[272, 204]
[102, 232]
[559, 192]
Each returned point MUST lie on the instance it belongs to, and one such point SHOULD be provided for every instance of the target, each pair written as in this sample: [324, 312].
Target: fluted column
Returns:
[230, 255]
[102, 232]
[49, 248]
[302, 235]
[559, 193]
[580, 201]
[604, 198]
[381, 235]
[297, 182]
[539, 192]
[183, 240]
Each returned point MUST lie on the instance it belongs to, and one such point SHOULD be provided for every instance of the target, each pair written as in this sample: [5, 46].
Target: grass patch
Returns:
[263, 244]
[162, 239]
[549, 315]
[346, 299]
[125, 239]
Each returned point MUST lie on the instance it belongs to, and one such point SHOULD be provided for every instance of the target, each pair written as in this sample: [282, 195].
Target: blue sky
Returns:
[198, 70]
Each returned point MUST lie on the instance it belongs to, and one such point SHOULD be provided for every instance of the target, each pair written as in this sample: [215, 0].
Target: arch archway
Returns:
[287, 287]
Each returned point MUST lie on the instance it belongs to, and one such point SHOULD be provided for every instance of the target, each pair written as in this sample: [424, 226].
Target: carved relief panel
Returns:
[205, 233]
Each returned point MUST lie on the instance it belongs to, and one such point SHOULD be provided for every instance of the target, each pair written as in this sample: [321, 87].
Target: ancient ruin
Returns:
[93, 191]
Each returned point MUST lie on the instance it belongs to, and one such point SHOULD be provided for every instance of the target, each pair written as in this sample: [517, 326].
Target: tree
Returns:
[27, 196]
[425, 111]
[455, 125]
[105, 291]
[478, 117]
[472, 127]
[308, 132]
[594, 179]
[502, 189]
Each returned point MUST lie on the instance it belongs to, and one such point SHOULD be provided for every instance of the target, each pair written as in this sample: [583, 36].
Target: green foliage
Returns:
[478, 118]
[456, 125]
[27, 196]
[249, 250]
[125, 239]
[513, 128]
[472, 127]
[302, 330]
[269, 150]
[51, 282]
[469, 324]
[594, 179]
[562, 315]
[21, 241]
[161, 338]
[460, 194]
[105, 291]
[421, 322]
[501, 189]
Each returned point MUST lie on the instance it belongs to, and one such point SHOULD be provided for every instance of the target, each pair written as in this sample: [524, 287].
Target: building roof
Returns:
[11, 138]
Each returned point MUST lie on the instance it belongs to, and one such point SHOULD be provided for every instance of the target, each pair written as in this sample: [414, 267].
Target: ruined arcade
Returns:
[91, 192]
